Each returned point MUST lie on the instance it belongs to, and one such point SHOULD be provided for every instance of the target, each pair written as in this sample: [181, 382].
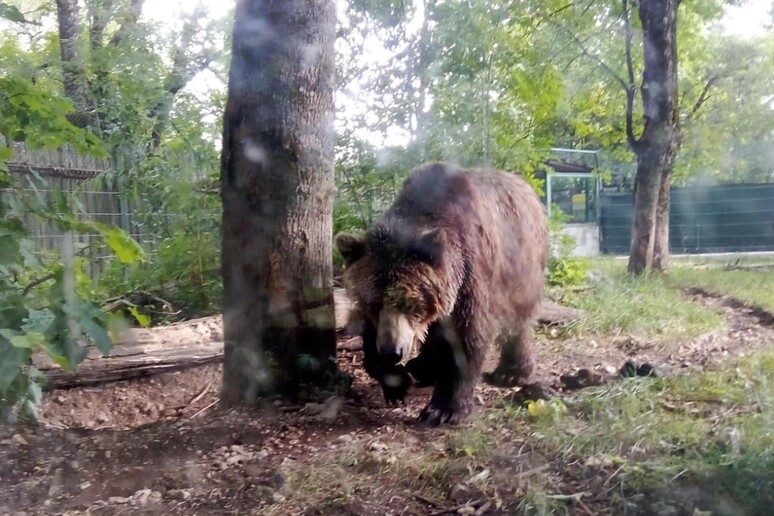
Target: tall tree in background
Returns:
[659, 142]
[101, 43]
[277, 190]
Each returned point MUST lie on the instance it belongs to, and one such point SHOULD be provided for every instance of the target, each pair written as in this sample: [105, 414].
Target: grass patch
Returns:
[642, 306]
[702, 441]
[755, 287]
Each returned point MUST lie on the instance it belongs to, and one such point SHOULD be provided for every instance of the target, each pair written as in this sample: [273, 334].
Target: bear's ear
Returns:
[428, 247]
[351, 246]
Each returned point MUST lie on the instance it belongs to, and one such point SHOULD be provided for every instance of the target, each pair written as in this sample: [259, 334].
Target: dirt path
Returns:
[158, 445]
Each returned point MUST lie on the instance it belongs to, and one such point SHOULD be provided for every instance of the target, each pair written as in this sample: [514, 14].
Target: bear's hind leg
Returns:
[517, 359]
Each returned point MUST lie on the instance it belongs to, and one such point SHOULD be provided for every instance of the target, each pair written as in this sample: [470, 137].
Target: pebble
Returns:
[344, 439]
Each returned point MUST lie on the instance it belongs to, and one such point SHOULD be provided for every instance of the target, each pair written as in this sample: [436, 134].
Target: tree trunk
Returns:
[76, 85]
[646, 186]
[277, 189]
[660, 139]
[661, 238]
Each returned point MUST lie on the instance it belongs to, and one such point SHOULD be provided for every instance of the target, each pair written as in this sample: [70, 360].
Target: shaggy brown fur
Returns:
[461, 254]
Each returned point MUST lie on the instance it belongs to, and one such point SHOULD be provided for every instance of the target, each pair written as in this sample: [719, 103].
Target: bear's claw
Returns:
[510, 377]
[436, 414]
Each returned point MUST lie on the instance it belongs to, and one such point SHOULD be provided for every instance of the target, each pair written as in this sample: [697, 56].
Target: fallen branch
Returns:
[428, 501]
[202, 411]
[201, 394]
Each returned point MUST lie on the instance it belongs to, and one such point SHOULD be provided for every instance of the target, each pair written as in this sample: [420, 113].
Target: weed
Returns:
[646, 306]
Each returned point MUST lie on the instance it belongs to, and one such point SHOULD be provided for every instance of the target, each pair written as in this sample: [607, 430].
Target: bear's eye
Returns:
[405, 302]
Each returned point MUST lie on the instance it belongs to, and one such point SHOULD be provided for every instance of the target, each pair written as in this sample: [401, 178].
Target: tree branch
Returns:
[183, 70]
[129, 21]
[634, 143]
[593, 57]
[704, 97]
[98, 15]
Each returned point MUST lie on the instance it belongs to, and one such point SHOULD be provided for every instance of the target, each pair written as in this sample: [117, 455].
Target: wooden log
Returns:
[143, 352]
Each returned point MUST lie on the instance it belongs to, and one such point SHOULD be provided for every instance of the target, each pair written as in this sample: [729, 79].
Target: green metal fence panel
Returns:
[703, 219]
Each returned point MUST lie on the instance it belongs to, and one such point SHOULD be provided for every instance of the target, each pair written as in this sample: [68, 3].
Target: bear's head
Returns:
[401, 280]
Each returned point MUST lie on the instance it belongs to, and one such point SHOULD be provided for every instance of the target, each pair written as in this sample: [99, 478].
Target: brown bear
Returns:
[456, 263]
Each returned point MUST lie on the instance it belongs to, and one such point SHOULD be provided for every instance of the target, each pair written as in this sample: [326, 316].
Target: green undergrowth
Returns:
[754, 286]
[648, 306]
[688, 442]
[641, 445]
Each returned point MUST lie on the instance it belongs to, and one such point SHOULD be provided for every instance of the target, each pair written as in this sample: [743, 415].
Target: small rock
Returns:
[344, 439]
[333, 406]
[57, 482]
[141, 496]
[459, 493]
[230, 461]
[19, 439]
[313, 408]
[377, 446]
[277, 498]
[119, 500]
[583, 378]
[179, 494]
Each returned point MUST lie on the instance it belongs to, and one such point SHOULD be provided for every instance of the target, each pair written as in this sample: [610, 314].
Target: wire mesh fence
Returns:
[43, 174]
[703, 219]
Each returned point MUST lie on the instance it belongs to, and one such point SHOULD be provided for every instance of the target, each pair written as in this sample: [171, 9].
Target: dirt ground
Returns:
[160, 445]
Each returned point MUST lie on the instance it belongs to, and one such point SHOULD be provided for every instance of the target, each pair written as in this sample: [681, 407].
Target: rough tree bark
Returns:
[76, 84]
[657, 146]
[277, 190]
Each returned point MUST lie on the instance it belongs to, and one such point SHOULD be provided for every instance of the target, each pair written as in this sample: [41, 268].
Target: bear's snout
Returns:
[395, 336]
[391, 355]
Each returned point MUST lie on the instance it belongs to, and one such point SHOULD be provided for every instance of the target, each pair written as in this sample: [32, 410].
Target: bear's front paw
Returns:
[509, 377]
[440, 412]
[395, 384]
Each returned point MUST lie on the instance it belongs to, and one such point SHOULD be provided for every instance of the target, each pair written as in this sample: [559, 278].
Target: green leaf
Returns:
[6, 153]
[115, 324]
[12, 13]
[13, 360]
[32, 340]
[125, 247]
[98, 334]
[142, 319]
[38, 321]
[9, 249]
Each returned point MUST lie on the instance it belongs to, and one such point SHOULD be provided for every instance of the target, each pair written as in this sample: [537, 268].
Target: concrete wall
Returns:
[586, 238]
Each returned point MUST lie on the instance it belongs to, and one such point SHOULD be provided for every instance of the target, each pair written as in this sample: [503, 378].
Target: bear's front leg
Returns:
[460, 364]
[425, 368]
[394, 379]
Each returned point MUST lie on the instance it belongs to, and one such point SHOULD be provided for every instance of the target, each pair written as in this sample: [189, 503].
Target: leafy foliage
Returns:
[45, 306]
[564, 269]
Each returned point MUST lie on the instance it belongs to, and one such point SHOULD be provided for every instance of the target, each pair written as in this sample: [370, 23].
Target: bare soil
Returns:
[161, 445]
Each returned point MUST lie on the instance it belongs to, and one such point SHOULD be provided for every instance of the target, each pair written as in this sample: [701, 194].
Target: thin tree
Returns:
[277, 186]
[660, 140]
